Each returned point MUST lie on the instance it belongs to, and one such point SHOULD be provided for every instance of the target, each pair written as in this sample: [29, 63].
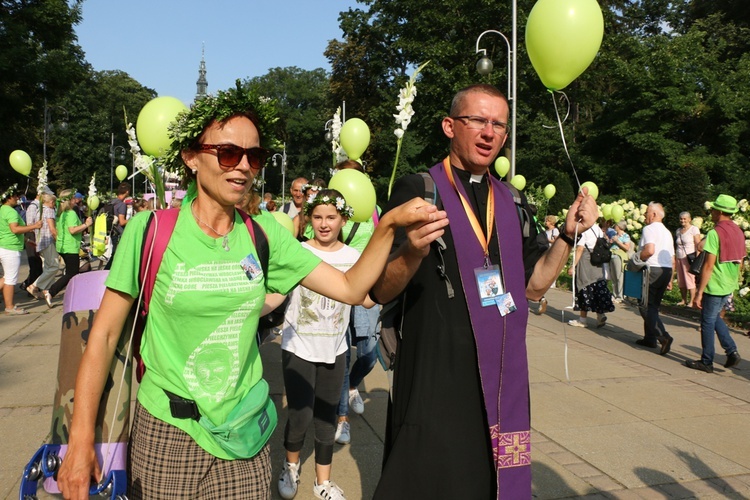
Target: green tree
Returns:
[95, 107]
[39, 59]
[302, 104]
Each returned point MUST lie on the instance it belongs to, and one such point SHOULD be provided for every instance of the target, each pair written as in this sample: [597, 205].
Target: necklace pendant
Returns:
[225, 243]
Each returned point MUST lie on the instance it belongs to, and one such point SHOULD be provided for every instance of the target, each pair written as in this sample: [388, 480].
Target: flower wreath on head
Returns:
[8, 193]
[190, 124]
[340, 204]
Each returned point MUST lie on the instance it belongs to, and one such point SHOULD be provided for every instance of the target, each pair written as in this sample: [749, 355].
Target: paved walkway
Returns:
[628, 424]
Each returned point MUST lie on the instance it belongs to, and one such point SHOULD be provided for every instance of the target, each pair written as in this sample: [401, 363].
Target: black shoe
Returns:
[699, 365]
[666, 344]
[645, 343]
[732, 360]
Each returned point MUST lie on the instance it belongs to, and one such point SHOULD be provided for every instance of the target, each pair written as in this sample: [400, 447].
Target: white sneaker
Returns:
[575, 322]
[328, 491]
[342, 432]
[355, 402]
[289, 480]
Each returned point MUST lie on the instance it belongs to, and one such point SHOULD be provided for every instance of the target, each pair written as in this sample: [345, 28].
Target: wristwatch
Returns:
[567, 239]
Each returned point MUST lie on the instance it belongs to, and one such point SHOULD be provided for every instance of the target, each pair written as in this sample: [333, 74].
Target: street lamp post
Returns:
[47, 125]
[282, 157]
[115, 153]
[485, 66]
[328, 136]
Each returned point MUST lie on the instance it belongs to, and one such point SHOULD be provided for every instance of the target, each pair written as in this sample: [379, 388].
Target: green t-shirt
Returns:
[199, 341]
[66, 242]
[363, 234]
[724, 279]
[9, 240]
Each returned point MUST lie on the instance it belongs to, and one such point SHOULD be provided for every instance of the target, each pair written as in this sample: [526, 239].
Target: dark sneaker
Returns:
[645, 343]
[732, 360]
[699, 365]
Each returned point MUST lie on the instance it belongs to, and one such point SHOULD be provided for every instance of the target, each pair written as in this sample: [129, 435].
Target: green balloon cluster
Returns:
[562, 39]
[617, 213]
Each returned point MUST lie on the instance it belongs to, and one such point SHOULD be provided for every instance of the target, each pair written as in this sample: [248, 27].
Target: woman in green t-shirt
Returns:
[12, 229]
[69, 233]
[199, 340]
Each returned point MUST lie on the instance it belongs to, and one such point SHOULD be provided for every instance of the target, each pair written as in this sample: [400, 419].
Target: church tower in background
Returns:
[202, 83]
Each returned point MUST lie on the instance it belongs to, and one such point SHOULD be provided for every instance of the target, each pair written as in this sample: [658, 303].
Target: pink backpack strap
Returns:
[375, 217]
[159, 230]
[249, 223]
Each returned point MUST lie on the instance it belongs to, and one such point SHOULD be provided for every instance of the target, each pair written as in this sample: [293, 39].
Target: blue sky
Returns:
[159, 42]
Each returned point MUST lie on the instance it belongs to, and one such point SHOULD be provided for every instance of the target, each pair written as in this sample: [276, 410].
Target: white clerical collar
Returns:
[476, 178]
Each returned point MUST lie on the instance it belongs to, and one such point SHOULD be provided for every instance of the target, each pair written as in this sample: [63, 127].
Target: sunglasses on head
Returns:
[230, 155]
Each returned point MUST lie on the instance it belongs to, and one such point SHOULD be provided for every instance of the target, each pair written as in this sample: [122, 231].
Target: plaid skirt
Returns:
[165, 462]
[596, 297]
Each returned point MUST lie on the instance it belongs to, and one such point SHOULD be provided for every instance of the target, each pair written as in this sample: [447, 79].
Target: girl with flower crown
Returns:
[313, 355]
[190, 437]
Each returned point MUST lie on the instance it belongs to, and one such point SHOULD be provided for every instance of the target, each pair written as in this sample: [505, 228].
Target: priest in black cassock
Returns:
[459, 424]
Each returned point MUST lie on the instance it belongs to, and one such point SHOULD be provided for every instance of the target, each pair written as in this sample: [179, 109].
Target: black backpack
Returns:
[109, 210]
[600, 254]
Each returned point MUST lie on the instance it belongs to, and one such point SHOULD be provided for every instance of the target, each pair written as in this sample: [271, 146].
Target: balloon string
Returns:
[562, 135]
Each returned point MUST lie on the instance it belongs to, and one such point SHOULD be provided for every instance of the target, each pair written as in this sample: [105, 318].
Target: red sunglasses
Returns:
[230, 155]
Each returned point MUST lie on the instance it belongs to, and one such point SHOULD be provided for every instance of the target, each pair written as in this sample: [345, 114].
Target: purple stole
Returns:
[500, 341]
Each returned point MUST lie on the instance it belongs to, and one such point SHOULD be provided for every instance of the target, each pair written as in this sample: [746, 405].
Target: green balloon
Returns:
[549, 191]
[21, 162]
[593, 189]
[518, 182]
[284, 220]
[354, 138]
[502, 166]
[93, 202]
[357, 191]
[121, 172]
[617, 213]
[562, 39]
[153, 120]
[606, 211]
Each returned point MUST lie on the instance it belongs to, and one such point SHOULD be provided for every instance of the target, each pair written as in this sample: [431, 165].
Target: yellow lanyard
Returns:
[475, 225]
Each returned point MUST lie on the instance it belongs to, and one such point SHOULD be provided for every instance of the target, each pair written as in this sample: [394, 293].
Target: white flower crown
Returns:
[340, 204]
[8, 192]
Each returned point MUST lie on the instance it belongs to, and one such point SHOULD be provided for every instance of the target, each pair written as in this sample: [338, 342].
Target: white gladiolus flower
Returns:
[399, 132]
[92, 186]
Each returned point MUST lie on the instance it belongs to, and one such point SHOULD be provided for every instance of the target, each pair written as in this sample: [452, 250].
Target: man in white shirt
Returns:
[657, 251]
[293, 207]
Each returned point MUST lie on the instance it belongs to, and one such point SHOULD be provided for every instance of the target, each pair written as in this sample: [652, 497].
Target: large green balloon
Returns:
[606, 211]
[354, 138]
[617, 213]
[21, 162]
[151, 127]
[593, 189]
[121, 172]
[518, 182]
[93, 202]
[549, 191]
[284, 220]
[357, 191]
[562, 39]
[502, 166]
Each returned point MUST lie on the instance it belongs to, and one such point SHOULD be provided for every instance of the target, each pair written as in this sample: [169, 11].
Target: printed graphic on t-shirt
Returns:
[208, 277]
[319, 315]
[214, 365]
